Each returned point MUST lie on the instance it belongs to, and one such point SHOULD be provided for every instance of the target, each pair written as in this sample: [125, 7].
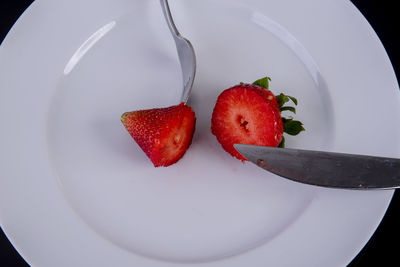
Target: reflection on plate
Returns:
[209, 207]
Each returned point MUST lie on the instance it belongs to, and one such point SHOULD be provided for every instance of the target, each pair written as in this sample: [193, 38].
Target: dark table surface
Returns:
[381, 249]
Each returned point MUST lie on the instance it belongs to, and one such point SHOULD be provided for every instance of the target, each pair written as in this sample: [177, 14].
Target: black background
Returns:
[382, 248]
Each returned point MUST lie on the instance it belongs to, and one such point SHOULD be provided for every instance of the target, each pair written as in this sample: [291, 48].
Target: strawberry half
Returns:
[164, 134]
[251, 114]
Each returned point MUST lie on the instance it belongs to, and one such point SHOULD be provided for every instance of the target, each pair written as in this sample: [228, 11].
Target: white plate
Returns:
[84, 194]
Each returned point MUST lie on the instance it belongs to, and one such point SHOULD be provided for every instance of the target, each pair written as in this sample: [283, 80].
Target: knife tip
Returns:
[238, 147]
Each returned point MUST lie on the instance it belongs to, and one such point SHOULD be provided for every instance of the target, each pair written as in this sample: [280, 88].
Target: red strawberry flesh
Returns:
[246, 114]
[164, 134]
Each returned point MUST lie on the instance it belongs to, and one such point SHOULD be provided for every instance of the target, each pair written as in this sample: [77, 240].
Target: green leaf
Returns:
[281, 99]
[282, 143]
[292, 109]
[263, 82]
[292, 127]
[293, 99]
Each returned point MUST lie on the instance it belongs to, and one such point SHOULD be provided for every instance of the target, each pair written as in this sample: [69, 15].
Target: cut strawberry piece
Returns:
[164, 134]
[246, 114]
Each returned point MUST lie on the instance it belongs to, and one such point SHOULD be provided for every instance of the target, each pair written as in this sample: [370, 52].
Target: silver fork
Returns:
[186, 54]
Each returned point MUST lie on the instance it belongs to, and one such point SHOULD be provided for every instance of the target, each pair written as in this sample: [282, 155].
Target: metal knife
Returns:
[328, 169]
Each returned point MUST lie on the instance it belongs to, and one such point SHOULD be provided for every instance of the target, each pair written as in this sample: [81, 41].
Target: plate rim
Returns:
[20, 21]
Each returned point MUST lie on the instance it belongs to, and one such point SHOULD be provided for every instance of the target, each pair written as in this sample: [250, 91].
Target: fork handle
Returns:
[168, 17]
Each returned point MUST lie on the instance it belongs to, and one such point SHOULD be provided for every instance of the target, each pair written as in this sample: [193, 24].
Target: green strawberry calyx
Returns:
[290, 126]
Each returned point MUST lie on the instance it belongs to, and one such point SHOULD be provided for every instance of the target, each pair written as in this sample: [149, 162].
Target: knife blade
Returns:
[327, 169]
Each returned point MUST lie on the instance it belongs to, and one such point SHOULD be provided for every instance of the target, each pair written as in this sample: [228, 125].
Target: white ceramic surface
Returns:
[75, 190]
